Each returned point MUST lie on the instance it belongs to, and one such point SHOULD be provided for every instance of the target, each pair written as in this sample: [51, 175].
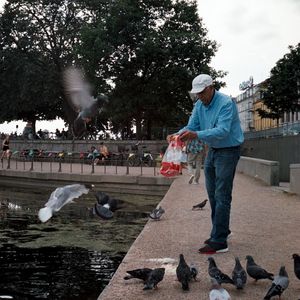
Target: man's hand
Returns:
[170, 138]
[188, 135]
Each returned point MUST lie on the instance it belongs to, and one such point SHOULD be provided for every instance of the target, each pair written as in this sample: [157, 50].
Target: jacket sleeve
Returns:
[221, 127]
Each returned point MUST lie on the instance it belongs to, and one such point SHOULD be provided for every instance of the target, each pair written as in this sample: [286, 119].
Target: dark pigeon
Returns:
[108, 202]
[155, 276]
[142, 274]
[183, 273]
[103, 212]
[239, 275]
[215, 273]
[200, 205]
[102, 198]
[194, 271]
[157, 213]
[296, 258]
[81, 106]
[255, 271]
[279, 284]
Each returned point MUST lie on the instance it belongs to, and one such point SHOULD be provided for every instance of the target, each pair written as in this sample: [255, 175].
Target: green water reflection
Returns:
[73, 234]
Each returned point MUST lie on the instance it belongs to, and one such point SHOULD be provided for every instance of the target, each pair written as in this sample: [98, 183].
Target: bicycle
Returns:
[140, 157]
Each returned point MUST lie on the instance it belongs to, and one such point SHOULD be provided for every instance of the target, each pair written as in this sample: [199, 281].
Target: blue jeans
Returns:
[219, 169]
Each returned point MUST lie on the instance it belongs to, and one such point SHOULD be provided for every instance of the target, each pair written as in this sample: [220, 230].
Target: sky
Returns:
[252, 36]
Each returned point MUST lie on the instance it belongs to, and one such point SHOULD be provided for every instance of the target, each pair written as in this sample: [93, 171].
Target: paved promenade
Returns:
[265, 224]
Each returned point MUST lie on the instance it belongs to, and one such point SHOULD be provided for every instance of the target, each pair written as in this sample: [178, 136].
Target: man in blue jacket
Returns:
[215, 121]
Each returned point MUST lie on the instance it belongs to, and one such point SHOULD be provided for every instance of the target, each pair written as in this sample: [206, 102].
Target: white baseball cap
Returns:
[200, 83]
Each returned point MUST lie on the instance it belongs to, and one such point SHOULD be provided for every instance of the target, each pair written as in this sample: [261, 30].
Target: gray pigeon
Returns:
[215, 273]
[239, 275]
[155, 276]
[157, 213]
[103, 212]
[279, 284]
[200, 205]
[183, 273]
[80, 100]
[142, 274]
[255, 271]
[217, 292]
[60, 197]
[296, 258]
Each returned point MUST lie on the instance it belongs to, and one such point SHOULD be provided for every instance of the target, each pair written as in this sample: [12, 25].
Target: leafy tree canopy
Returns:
[148, 51]
[283, 87]
[37, 38]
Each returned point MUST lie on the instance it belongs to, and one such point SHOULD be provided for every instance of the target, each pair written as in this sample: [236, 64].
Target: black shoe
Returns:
[228, 236]
[213, 248]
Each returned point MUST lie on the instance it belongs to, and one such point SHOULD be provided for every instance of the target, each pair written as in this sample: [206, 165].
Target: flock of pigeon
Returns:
[185, 274]
[105, 206]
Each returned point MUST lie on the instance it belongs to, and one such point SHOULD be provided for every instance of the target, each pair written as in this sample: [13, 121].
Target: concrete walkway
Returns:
[265, 224]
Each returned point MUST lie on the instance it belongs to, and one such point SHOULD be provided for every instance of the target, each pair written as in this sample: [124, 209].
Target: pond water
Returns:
[74, 254]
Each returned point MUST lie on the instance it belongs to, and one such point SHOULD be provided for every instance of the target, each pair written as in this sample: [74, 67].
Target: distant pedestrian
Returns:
[195, 153]
[5, 148]
[215, 121]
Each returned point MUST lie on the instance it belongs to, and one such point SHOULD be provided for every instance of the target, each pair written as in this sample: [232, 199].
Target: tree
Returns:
[148, 51]
[37, 39]
[283, 87]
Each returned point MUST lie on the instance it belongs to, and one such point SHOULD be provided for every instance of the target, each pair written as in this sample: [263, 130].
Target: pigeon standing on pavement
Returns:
[157, 213]
[239, 275]
[279, 284]
[183, 273]
[255, 271]
[296, 258]
[142, 274]
[194, 271]
[60, 197]
[217, 292]
[215, 273]
[81, 106]
[200, 205]
[154, 277]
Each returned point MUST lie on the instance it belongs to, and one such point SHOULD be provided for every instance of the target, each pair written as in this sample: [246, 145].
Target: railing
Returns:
[70, 165]
[282, 130]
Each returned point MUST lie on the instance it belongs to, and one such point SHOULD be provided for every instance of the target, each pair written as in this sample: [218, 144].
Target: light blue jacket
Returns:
[218, 124]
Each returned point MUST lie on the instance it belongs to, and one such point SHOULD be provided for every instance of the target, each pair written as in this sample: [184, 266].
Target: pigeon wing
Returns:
[77, 90]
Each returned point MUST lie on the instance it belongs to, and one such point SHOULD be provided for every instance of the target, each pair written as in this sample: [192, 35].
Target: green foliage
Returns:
[143, 53]
[283, 87]
[148, 52]
[37, 38]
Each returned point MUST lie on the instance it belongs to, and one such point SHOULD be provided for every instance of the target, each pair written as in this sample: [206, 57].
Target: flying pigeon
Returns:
[279, 284]
[157, 213]
[183, 273]
[296, 258]
[255, 271]
[200, 205]
[217, 292]
[82, 106]
[142, 274]
[60, 197]
[216, 273]
[239, 275]
[155, 276]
